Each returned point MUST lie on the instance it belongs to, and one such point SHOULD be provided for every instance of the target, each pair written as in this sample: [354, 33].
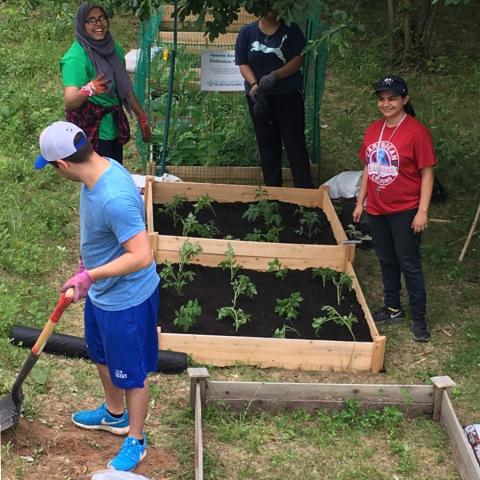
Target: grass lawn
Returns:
[39, 247]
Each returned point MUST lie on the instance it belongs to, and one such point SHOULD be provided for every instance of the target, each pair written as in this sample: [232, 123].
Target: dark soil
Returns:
[228, 219]
[211, 287]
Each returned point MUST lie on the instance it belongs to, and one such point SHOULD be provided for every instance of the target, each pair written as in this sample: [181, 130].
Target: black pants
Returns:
[398, 250]
[111, 149]
[282, 122]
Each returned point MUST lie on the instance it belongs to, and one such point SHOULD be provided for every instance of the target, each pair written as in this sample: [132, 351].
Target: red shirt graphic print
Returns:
[394, 159]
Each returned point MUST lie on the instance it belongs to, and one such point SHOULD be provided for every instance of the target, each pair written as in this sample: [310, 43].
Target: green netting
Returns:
[203, 128]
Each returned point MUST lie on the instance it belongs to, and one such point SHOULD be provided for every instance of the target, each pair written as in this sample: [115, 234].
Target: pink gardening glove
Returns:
[80, 266]
[80, 282]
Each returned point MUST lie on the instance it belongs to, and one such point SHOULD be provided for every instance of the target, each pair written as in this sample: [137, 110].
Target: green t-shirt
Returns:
[77, 70]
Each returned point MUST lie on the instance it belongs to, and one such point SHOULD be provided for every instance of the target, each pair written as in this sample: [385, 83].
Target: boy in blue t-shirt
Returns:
[269, 54]
[117, 276]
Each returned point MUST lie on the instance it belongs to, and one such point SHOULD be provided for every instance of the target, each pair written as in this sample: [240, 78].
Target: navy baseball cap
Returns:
[391, 83]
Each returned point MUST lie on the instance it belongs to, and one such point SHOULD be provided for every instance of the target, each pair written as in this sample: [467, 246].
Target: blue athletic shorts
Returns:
[125, 341]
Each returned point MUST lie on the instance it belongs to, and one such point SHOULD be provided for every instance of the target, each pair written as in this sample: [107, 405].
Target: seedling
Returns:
[309, 223]
[325, 273]
[341, 280]
[171, 208]
[281, 332]
[276, 267]
[272, 235]
[241, 284]
[230, 262]
[202, 203]
[332, 315]
[178, 278]
[237, 314]
[288, 307]
[266, 210]
[192, 226]
[187, 316]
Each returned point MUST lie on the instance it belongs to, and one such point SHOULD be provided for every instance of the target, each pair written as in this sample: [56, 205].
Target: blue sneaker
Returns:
[130, 455]
[100, 419]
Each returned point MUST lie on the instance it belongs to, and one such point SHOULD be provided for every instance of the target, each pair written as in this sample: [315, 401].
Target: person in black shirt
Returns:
[269, 54]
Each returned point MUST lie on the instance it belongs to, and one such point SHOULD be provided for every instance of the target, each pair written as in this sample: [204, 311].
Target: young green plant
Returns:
[276, 267]
[178, 277]
[191, 227]
[187, 315]
[203, 202]
[332, 315]
[326, 274]
[242, 285]
[309, 223]
[288, 308]
[342, 280]
[171, 208]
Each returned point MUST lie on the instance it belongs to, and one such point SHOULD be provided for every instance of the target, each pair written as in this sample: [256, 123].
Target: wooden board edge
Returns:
[291, 354]
[468, 466]
[148, 199]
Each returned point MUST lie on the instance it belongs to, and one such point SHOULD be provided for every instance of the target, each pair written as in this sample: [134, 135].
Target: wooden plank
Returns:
[235, 175]
[228, 193]
[294, 354]
[148, 199]
[377, 393]
[198, 435]
[361, 300]
[441, 386]
[254, 255]
[461, 448]
[331, 214]
[410, 399]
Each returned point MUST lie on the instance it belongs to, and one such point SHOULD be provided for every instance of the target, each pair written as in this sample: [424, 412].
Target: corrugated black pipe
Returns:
[71, 346]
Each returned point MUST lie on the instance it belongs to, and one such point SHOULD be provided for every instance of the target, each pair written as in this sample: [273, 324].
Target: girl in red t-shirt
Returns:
[397, 184]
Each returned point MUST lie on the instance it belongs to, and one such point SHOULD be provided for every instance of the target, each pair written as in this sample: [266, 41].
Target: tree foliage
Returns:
[412, 25]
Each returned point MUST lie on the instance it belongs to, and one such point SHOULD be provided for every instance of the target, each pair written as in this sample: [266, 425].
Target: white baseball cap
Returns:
[57, 143]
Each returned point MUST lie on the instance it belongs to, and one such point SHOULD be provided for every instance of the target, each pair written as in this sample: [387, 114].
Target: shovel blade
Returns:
[9, 412]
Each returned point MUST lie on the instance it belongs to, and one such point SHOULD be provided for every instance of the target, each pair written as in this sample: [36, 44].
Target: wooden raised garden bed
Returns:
[412, 400]
[158, 194]
[289, 353]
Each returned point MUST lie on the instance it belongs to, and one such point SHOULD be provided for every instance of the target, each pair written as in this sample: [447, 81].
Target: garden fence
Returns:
[207, 135]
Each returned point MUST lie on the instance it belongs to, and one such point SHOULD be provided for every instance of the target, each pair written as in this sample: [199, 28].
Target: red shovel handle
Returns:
[62, 305]
[65, 300]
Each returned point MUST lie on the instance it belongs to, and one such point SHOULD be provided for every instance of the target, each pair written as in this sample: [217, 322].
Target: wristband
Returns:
[88, 90]
[254, 83]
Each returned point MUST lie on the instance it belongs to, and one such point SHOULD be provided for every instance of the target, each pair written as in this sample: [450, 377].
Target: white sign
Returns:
[219, 72]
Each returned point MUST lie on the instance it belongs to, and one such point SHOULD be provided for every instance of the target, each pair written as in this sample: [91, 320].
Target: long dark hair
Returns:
[409, 108]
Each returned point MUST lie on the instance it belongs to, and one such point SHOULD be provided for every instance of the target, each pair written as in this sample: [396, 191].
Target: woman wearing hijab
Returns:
[97, 85]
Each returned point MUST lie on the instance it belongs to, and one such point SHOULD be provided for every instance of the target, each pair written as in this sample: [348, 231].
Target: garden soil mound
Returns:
[70, 452]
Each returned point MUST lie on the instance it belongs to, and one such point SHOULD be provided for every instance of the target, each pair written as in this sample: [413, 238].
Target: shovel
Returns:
[11, 405]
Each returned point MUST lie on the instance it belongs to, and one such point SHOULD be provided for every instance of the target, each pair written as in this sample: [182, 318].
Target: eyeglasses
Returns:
[97, 20]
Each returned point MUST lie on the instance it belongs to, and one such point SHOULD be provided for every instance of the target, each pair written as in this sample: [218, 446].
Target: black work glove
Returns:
[268, 81]
[259, 101]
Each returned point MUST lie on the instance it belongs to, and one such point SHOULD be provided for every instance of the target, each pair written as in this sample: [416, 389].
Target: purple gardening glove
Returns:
[268, 81]
[80, 283]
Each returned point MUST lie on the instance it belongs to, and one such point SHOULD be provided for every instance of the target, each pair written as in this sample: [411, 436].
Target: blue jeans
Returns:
[398, 251]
